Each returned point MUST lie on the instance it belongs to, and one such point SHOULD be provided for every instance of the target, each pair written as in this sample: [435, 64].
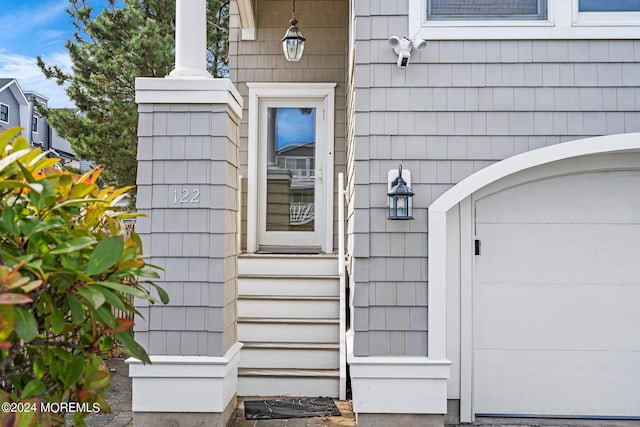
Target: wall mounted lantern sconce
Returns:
[402, 47]
[400, 195]
[293, 42]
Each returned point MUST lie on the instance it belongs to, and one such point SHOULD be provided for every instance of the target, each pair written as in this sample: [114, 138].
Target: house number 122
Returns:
[186, 196]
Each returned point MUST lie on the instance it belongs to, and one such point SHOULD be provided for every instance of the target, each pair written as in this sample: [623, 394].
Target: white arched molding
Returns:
[438, 210]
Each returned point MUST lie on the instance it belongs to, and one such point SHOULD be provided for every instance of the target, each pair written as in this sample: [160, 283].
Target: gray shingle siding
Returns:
[196, 246]
[457, 108]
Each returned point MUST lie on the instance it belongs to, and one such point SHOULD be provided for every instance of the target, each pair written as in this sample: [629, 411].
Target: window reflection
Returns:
[291, 169]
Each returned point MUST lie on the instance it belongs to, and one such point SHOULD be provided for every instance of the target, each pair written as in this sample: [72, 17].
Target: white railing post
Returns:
[239, 237]
[341, 275]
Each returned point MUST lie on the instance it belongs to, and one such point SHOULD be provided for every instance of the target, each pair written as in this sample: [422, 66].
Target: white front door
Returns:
[557, 297]
[291, 154]
[292, 165]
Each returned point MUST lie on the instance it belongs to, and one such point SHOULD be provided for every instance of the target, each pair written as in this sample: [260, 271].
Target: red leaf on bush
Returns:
[10, 298]
[123, 325]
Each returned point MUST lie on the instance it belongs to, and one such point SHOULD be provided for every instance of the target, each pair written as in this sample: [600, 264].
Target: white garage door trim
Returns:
[438, 236]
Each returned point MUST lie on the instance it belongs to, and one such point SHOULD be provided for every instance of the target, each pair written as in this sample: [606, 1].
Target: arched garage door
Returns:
[556, 297]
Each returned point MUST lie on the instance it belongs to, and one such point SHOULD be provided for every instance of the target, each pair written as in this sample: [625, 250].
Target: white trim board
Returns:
[184, 90]
[187, 383]
[247, 19]
[397, 385]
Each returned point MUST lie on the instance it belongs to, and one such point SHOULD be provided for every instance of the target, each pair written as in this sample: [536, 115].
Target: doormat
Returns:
[290, 408]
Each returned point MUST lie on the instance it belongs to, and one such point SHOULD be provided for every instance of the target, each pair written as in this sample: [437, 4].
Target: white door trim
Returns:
[288, 91]
[477, 182]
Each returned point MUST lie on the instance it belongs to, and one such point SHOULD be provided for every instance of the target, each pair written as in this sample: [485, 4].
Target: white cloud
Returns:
[30, 77]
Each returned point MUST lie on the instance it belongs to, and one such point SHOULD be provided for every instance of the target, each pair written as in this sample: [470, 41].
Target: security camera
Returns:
[402, 47]
[403, 58]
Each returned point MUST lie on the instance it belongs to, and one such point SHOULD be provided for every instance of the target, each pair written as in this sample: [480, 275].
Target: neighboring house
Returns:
[512, 292]
[16, 106]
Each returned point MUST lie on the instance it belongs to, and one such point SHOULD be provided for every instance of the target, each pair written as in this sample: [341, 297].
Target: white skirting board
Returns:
[397, 385]
[185, 383]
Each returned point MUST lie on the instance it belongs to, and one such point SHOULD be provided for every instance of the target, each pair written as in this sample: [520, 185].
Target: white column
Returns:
[191, 39]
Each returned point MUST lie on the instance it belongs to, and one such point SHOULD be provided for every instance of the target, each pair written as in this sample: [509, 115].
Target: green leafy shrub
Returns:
[65, 265]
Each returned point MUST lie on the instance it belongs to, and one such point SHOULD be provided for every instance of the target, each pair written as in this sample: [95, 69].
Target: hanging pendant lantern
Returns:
[293, 42]
[400, 198]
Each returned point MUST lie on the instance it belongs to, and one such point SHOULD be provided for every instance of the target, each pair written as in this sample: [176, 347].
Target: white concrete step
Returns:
[287, 265]
[249, 285]
[289, 355]
[289, 307]
[288, 382]
[288, 330]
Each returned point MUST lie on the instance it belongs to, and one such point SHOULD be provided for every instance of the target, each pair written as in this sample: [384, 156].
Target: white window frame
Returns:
[288, 92]
[8, 113]
[35, 120]
[563, 22]
[604, 18]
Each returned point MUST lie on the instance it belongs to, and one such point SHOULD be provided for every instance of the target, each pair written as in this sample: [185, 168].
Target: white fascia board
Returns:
[18, 93]
[42, 98]
[188, 91]
[397, 385]
[185, 383]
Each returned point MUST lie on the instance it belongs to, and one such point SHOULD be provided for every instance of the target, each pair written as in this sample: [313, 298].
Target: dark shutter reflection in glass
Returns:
[487, 9]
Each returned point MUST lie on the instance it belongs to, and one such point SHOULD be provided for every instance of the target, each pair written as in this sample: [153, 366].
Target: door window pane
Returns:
[486, 9]
[291, 144]
[609, 5]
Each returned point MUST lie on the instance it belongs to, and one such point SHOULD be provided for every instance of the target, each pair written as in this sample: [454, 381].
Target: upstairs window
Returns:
[524, 19]
[34, 124]
[486, 9]
[609, 6]
[599, 13]
[4, 113]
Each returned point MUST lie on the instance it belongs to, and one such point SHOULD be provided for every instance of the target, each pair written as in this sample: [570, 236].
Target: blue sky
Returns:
[31, 28]
[292, 126]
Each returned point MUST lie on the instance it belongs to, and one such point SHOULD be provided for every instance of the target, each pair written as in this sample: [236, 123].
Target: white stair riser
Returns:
[288, 309]
[282, 332]
[289, 358]
[286, 386]
[285, 266]
[286, 286]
